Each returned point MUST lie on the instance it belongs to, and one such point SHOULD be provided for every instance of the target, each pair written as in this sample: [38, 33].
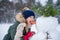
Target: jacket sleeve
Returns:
[7, 37]
[19, 31]
[13, 30]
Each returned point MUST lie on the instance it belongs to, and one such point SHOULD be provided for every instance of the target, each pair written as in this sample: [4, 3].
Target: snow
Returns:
[47, 24]
[58, 28]
[53, 29]
[4, 29]
[33, 28]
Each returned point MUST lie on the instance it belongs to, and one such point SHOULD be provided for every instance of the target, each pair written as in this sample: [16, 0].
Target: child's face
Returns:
[30, 19]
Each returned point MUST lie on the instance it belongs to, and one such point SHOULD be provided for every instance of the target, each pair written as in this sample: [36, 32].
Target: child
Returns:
[29, 31]
[24, 29]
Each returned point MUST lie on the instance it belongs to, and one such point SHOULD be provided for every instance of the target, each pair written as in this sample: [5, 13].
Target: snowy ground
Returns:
[4, 28]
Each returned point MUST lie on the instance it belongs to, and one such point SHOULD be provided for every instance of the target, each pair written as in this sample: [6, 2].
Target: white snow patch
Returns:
[4, 29]
[58, 28]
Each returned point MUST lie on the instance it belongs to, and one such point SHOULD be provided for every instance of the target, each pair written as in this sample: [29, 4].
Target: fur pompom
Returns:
[19, 17]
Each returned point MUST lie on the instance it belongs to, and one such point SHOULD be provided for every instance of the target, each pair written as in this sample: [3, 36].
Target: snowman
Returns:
[46, 25]
[46, 28]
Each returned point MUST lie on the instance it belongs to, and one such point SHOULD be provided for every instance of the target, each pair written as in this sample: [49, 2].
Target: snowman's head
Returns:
[45, 24]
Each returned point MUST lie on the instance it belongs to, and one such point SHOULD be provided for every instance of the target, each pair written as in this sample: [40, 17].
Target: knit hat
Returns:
[28, 13]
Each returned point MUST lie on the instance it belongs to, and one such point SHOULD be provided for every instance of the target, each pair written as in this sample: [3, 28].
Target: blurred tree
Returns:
[19, 5]
[39, 4]
[58, 3]
[30, 3]
[5, 7]
[1, 12]
[46, 11]
[50, 10]
[50, 2]
[38, 8]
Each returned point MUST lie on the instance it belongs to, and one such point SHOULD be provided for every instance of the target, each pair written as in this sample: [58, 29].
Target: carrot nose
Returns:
[33, 22]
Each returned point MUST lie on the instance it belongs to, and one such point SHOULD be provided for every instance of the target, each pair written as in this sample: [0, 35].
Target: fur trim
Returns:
[25, 8]
[19, 31]
[19, 17]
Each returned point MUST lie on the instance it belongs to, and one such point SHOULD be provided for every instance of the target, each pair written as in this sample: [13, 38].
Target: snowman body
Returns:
[46, 26]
